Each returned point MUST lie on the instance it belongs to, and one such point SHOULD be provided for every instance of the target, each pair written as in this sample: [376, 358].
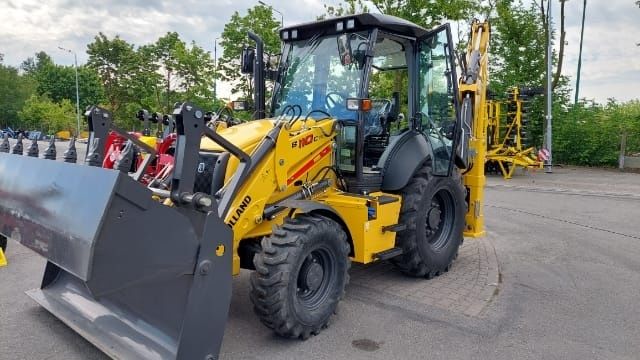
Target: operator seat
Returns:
[377, 128]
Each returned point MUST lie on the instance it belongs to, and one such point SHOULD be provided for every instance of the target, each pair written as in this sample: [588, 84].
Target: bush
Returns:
[590, 134]
[40, 113]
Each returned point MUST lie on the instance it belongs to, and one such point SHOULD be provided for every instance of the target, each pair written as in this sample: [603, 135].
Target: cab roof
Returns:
[363, 21]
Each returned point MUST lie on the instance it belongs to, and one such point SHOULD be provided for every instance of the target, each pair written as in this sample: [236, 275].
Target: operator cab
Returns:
[385, 80]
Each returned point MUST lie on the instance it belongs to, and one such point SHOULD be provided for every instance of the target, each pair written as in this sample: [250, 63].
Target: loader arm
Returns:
[472, 94]
[285, 164]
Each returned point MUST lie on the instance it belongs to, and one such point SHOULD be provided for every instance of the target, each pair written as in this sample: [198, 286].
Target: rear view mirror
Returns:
[240, 105]
[344, 50]
[246, 60]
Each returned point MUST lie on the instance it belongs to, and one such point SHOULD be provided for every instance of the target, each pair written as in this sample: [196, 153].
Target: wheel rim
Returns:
[439, 220]
[315, 278]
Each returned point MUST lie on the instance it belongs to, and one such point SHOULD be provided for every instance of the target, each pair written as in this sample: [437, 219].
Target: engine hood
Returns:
[245, 135]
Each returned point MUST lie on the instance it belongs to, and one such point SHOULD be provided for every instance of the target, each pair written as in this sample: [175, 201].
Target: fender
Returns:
[309, 206]
[402, 158]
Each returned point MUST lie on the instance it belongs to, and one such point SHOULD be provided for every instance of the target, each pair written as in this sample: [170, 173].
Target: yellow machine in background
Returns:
[506, 127]
[3, 259]
[3, 248]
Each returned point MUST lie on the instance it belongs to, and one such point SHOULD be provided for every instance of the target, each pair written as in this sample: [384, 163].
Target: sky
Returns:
[610, 63]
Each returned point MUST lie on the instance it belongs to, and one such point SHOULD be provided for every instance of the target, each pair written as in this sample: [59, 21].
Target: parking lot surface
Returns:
[556, 277]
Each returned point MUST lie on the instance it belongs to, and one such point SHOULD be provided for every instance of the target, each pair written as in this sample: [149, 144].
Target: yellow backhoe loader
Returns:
[334, 176]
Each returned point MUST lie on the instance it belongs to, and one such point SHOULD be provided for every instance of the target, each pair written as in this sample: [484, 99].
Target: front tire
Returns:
[300, 275]
[433, 208]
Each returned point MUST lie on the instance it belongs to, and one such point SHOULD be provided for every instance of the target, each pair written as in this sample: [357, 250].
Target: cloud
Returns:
[29, 26]
[610, 66]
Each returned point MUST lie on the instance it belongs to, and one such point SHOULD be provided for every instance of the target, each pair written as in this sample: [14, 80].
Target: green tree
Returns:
[127, 76]
[39, 112]
[517, 48]
[186, 72]
[517, 58]
[258, 20]
[58, 82]
[426, 13]
[15, 89]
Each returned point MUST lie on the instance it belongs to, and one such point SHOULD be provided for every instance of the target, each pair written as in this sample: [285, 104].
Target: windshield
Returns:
[315, 79]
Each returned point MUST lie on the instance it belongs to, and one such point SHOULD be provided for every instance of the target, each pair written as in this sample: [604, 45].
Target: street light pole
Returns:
[75, 65]
[549, 138]
[273, 9]
[584, 11]
[215, 70]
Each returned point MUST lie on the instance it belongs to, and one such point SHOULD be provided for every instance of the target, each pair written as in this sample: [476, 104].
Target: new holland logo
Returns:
[239, 210]
[309, 139]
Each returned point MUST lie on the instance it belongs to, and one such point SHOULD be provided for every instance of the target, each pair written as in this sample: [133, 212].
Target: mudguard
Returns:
[402, 158]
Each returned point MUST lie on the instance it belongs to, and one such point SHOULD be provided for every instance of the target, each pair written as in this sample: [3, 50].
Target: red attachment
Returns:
[164, 161]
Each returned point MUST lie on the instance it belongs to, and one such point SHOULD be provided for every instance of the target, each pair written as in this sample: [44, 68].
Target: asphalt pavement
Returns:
[568, 251]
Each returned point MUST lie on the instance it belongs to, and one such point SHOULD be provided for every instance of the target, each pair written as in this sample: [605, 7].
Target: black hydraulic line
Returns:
[305, 193]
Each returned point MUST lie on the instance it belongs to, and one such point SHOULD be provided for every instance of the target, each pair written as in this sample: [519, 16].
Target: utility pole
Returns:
[548, 165]
[273, 9]
[75, 65]
[584, 10]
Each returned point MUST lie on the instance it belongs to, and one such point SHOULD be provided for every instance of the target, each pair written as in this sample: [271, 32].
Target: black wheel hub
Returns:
[311, 274]
[433, 217]
[315, 278]
[439, 220]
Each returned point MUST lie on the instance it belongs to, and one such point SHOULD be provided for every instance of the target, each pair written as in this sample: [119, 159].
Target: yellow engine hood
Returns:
[245, 135]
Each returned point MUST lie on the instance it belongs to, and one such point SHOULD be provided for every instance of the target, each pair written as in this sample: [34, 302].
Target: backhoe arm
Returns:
[473, 88]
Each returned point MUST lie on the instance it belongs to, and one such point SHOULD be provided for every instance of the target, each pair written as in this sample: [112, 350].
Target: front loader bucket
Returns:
[138, 279]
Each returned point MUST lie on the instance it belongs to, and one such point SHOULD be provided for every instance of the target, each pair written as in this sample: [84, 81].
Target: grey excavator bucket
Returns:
[137, 278]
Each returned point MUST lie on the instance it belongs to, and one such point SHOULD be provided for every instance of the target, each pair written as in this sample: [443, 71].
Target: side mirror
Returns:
[240, 105]
[246, 60]
[344, 50]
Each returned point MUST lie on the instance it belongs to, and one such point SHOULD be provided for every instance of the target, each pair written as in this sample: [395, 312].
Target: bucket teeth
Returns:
[94, 157]
[18, 148]
[50, 152]
[126, 158]
[33, 150]
[71, 155]
[5, 147]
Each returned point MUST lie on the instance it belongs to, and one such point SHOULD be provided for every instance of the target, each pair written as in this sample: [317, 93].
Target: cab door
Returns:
[437, 97]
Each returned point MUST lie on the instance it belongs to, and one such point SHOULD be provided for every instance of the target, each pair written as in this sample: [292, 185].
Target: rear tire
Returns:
[3, 243]
[433, 209]
[300, 275]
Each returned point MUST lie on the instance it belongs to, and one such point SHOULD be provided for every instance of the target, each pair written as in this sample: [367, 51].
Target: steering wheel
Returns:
[333, 99]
